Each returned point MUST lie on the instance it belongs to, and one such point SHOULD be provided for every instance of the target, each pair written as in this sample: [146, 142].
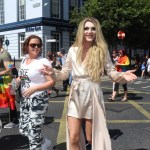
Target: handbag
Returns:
[17, 91]
[14, 69]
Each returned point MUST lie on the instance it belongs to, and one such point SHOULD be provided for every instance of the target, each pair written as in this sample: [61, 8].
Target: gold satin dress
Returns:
[86, 99]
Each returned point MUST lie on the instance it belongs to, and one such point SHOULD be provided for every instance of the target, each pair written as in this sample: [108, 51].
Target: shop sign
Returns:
[33, 29]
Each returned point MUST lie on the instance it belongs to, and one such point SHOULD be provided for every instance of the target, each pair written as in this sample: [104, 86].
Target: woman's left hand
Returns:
[129, 75]
[28, 92]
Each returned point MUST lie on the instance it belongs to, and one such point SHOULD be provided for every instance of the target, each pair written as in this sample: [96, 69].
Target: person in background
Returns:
[137, 62]
[86, 60]
[34, 85]
[143, 69]
[148, 66]
[51, 58]
[62, 58]
[7, 99]
[114, 60]
[144, 60]
[122, 65]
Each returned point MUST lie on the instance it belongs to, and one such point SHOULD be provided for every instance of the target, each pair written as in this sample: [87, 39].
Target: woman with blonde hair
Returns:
[86, 60]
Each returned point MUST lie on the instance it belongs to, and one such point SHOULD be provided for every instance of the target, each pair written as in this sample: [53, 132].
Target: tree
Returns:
[131, 16]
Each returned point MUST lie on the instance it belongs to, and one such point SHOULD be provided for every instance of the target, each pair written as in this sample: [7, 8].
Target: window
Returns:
[72, 38]
[21, 10]
[55, 8]
[73, 4]
[55, 45]
[2, 37]
[21, 40]
[1, 11]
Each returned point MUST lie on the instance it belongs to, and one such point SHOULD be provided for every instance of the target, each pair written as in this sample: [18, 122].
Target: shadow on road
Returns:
[48, 120]
[115, 133]
[61, 146]
[13, 142]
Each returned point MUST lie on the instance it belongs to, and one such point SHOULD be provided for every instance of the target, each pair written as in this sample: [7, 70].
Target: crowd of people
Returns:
[142, 64]
[81, 68]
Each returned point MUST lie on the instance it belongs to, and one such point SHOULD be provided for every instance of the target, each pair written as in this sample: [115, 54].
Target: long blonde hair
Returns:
[96, 55]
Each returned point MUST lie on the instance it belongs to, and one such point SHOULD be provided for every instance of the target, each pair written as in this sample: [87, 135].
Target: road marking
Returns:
[141, 109]
[62, 128]
[129, 91]
[145, 87]
[145, 103]
[128, 121]
[57, 120]
[115, 121]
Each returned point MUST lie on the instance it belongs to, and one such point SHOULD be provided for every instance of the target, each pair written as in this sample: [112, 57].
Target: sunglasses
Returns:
[33, 45]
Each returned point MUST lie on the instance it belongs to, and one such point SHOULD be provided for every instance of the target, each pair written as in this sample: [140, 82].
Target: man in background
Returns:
[62, 58]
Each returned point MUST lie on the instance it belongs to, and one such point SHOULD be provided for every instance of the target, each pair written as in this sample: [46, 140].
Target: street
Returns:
[128, 122]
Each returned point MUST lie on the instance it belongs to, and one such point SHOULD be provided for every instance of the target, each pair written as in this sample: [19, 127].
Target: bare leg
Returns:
[114, 94]
[74, 125]
[88, 130]
[117, 92]
[125, 92]
[125, 95]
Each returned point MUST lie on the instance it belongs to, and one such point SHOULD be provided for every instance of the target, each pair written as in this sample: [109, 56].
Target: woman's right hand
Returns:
[47, 70]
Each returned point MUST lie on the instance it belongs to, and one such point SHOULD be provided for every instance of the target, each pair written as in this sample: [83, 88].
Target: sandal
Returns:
[124, 100]
[110, 99]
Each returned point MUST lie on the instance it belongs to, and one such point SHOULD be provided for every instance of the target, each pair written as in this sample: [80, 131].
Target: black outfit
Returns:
[117, 86]
[65, 84]
[13, 116]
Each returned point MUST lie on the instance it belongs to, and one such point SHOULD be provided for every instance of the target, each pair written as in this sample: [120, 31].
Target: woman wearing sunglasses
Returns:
[34, 87]
[86, 59]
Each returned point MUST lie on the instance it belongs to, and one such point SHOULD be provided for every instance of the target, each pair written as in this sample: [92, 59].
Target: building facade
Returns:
[48, 19]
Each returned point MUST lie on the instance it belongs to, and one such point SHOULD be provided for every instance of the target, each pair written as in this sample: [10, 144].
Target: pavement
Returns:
[128, 122]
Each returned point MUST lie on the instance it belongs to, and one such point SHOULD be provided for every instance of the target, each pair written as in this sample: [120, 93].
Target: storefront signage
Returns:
[33, 29]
